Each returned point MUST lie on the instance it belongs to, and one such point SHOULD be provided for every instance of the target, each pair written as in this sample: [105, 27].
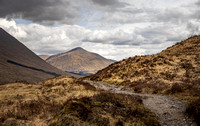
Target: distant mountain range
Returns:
[177, 64]
[78, 61]
[18, 63]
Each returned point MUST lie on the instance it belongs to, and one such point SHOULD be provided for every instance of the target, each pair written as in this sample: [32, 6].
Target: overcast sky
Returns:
[116, 29]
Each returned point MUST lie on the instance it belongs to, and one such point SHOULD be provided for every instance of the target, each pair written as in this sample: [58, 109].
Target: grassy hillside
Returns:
[67, 101]
[175, 71]
[179, 64]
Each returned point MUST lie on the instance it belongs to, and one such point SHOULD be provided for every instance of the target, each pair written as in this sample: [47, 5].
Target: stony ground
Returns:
[170, 110]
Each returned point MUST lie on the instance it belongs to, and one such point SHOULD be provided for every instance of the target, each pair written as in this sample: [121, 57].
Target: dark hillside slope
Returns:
[18, 63]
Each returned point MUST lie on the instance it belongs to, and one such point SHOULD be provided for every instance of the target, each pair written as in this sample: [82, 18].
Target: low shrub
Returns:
[176, 88]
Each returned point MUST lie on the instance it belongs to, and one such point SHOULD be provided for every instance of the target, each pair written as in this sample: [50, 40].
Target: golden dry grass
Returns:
[30, 103]
[175, 72]
[105, 109]
[68, 101]
[177, 64]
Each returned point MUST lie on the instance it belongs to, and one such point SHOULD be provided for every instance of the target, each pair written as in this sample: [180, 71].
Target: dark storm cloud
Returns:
[198, 3]
[150, 25]
[51, 11]
[42, 11]
[113, 3]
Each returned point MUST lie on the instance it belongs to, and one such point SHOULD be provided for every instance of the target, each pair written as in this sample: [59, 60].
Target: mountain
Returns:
[79, 61]
[179, 64]
[18, 63]
[44, 57]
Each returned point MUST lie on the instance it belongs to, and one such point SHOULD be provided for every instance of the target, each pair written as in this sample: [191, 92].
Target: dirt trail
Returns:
[168, 109]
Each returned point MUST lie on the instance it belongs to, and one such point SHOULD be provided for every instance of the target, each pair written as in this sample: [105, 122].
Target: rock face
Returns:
[18, 63]
[79, 61]
[177, 64]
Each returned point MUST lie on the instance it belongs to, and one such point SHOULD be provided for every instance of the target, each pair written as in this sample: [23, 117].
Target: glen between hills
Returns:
[70, 101]
[58, 101]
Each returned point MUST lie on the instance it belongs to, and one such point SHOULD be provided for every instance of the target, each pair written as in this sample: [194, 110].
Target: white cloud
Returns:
[52, 40]
[113, 28]
[43, 39]
[12, 28]
[116, 52]
[115, 37]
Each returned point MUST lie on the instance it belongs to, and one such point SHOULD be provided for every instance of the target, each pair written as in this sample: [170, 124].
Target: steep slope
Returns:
[177, 64]
[18, 63]
[79, 61]
[44, 57]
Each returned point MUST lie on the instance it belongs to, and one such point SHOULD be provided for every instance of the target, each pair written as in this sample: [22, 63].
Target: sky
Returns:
[115, 29]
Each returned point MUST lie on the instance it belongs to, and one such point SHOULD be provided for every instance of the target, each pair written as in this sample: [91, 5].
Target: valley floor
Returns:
[170, 110]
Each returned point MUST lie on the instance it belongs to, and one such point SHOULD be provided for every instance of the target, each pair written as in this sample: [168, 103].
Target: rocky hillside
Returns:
[177, 64]
[18, 63]
[79, 61]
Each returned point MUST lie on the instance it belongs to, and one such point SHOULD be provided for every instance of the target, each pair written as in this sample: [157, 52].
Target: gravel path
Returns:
[168, 109]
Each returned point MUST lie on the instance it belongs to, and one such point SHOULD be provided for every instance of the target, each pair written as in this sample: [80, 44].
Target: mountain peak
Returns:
[79, 60]
[77, 49]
